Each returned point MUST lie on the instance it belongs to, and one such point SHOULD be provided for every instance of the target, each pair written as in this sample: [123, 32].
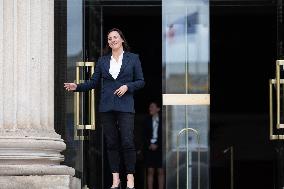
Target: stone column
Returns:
[28, 143]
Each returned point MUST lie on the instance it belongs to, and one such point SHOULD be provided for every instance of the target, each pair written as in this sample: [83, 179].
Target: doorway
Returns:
[173, 44]
[243, 52]
[142, 27]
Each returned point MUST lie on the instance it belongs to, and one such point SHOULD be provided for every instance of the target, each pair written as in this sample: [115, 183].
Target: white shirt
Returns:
[115, 66]
[155, 125]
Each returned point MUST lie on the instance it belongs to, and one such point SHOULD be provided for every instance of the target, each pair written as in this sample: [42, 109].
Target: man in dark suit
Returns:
[153, 146]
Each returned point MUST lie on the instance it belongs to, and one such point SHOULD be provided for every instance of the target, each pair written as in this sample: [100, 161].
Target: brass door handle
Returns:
[198, 161]
[279, 63]
[277, 82]
[272, 135]
[231, 149]
[91, 95]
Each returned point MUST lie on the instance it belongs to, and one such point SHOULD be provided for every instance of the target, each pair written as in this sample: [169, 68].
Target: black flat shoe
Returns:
[129, 188]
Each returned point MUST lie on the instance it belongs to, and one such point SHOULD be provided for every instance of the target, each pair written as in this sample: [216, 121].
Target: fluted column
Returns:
[27, 133]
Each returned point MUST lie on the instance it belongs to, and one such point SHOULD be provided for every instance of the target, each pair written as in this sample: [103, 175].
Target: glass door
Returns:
[74, 147]
[186, 96]
[88, 22]
[186, 99]
[276, 94]
[83, 138]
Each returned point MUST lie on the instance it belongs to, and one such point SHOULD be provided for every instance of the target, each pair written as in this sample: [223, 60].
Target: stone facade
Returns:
[29, 146]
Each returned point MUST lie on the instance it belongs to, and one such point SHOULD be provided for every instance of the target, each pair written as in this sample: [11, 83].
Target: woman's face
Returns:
[153, 109]
[114, 40]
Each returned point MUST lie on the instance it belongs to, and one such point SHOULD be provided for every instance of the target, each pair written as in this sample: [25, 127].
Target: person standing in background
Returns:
[153, 146]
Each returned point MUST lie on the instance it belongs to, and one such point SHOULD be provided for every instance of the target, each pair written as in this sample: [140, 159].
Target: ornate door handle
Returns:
[80, 127]
[187, 130]
[277, 83]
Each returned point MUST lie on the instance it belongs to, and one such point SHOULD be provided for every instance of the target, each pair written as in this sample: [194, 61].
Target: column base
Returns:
[30, 159]
[31, 146]
[40, 182]
[20, 170]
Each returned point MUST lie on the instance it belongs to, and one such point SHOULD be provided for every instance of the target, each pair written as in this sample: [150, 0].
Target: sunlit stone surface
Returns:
[27, 135]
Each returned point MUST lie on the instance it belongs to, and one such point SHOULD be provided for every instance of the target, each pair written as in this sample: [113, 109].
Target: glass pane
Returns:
[83, 44]
[186, 71]
[280, 55]
[74, 148]
[280, 25]
[95, 169]
[185, 46]
[178, 118]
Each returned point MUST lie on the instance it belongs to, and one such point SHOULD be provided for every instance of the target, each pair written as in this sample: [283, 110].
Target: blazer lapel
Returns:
[125, 60]
[107, 64]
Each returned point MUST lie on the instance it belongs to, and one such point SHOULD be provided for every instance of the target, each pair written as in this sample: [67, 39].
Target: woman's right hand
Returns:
[70, 86]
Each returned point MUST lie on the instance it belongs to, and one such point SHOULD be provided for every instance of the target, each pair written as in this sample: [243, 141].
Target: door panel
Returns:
[84, 139]
[186, 86]
[74, 148]
[276, 95]
[185, 62]
[243, 57]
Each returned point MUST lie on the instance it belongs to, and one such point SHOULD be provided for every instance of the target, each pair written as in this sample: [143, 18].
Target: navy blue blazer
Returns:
[148, 132]
[130, 74]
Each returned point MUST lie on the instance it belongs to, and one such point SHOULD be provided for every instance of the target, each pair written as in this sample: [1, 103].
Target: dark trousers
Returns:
[118, 131]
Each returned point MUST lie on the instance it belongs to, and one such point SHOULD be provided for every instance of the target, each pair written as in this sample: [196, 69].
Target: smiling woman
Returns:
[116, 39]
[121, 75]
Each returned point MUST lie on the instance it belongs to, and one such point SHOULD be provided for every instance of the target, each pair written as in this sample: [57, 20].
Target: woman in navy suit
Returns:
[121, 75]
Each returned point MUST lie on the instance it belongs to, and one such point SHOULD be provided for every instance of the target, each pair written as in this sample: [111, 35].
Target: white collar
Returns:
[155, 117]
[119, 57]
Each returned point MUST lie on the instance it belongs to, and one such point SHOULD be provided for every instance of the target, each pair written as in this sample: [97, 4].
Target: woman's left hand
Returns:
[153, 147]
[121, 90]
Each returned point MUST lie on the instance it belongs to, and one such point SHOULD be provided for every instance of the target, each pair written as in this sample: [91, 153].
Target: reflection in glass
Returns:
[186, 46]
[74, 152]
[178, 118]
[185, 71]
